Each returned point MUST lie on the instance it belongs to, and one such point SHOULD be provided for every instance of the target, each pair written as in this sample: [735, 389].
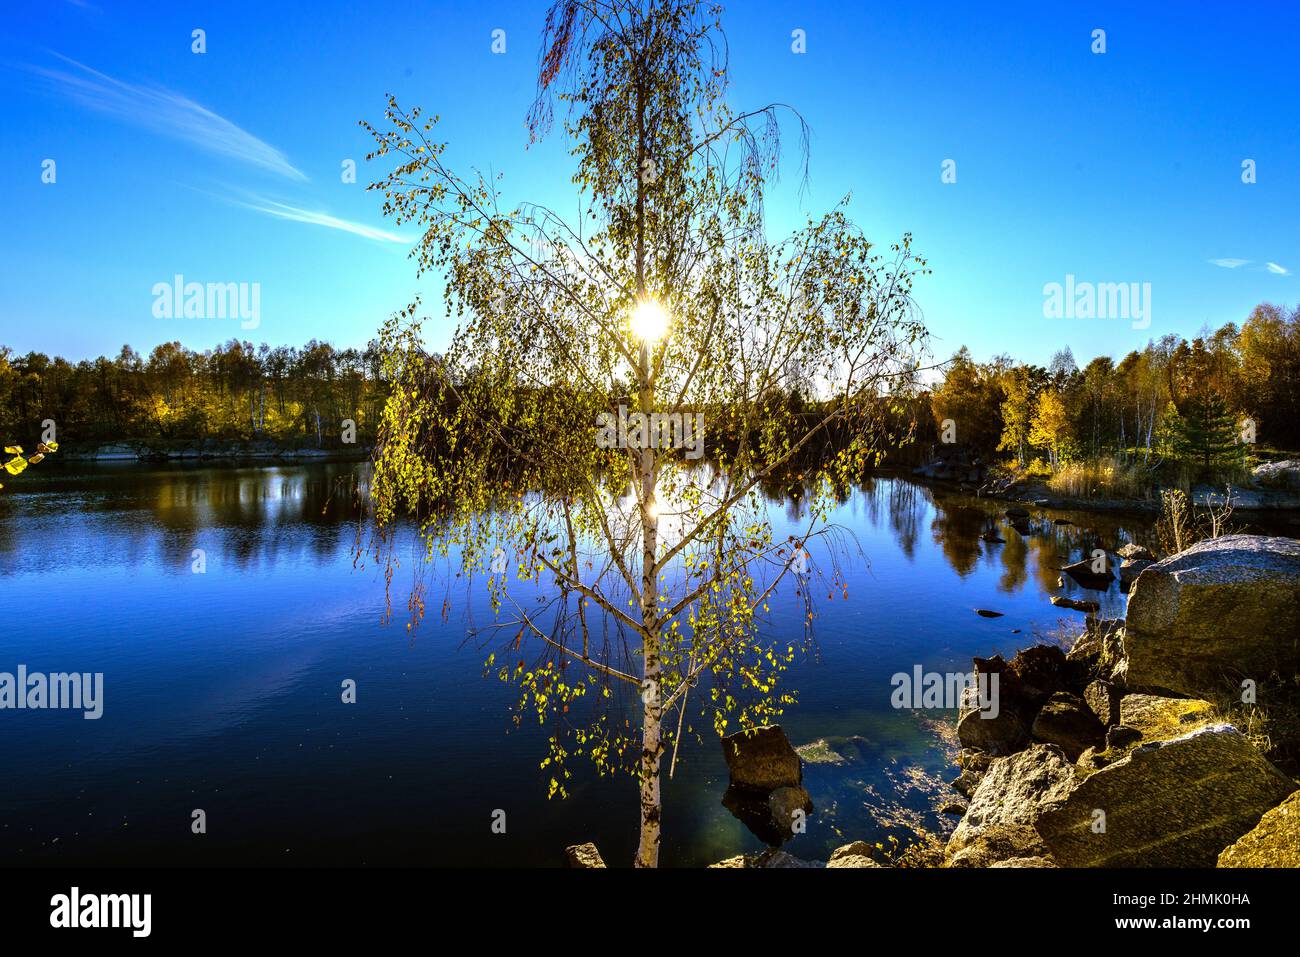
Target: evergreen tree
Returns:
[1205, 431]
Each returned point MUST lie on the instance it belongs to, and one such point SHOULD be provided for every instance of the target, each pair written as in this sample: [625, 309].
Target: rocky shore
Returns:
[1139, 747]
[203, 450]
[1273, 486]
[1129, 751]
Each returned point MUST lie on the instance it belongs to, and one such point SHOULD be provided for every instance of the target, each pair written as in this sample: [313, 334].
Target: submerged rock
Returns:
[762, 759]
[1223, 610]
[835, 750]
[769, 817]
[786, 805]
[584, 856]
[1076, 604]
[1086, 575]
[819, 752]
[1174, 803]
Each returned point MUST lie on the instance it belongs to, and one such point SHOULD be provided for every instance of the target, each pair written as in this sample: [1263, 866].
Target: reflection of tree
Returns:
[956, 530]
[1014, 554]
[242, 518]
[905, 515]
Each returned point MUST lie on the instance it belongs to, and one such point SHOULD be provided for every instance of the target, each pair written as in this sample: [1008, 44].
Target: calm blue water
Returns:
[222, 690]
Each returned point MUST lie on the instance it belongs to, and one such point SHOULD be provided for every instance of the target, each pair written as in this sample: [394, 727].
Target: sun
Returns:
[649, 321]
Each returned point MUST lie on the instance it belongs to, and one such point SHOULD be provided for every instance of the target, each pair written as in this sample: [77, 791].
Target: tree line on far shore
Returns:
[1202, 407]
[1204, 404]
[234, 391]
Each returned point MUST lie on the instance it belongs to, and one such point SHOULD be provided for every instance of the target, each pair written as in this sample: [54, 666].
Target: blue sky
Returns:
[225, 166]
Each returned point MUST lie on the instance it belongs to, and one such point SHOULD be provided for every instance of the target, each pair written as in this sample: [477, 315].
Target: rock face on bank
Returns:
[1102, 757]
[1171, 803]
[1279, 475]
[1000, 821]
[207, 450]
[1223, 610]
[1275, 841]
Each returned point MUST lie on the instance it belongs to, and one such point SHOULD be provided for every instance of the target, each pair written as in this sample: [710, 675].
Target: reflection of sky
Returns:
[222, 689]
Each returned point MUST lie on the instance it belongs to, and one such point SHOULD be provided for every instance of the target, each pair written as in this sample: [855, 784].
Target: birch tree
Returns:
[631, 576]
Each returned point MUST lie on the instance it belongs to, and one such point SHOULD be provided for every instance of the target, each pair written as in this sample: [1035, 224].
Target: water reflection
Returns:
[224, 687]
[241, 518]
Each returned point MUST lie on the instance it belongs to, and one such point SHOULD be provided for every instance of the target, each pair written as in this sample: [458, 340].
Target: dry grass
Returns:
[1100, 478]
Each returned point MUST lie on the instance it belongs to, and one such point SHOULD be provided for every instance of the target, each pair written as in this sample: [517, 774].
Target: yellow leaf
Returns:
[14, 466]
[13, 449]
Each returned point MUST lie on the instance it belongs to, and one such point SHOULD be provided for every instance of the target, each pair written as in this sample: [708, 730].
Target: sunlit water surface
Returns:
[222, 689]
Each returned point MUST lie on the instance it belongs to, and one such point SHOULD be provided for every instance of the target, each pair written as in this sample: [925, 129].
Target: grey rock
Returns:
[1225, 609]
[1273, 842]
[996, 843]
[762, 759]
[1158, 718]
[583, 856]
[1130, 569]
[1174, 803]
[857, 854]
[1103, 698]
[1284, 476]
[1002, 812]
[999, 732]
[1132, 551]
[1066, 720]
[1121, 736]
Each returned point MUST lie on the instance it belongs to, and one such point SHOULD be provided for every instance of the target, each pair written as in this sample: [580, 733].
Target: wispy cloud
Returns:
[169, 113]
[1277, 270]
[317, 218]
[1229, 263]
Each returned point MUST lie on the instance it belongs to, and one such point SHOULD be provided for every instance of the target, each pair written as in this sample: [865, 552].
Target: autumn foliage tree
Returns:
[664, 296]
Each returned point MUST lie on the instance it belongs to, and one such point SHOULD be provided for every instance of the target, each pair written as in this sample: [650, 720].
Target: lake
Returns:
[222, 689]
